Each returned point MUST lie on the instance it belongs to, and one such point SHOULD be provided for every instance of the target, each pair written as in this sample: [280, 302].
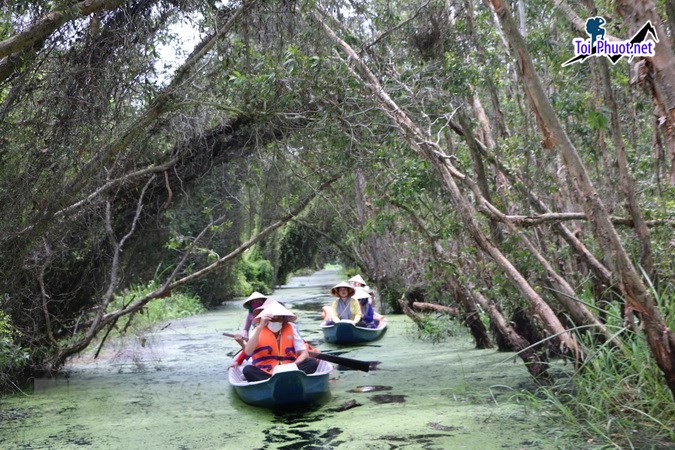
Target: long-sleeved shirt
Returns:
[346, 309]
[247, 324]
[367, 312]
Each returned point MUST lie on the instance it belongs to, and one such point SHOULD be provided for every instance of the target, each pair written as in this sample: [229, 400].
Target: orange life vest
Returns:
[272, 351]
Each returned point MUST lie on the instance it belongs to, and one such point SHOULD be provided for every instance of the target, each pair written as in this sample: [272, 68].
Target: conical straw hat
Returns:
[357, 279]
[361, 293]
[254, 296]
[277, 309]
[334, 291]
[267, 303]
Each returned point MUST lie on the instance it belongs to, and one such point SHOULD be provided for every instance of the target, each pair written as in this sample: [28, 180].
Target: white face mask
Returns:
[275, 327]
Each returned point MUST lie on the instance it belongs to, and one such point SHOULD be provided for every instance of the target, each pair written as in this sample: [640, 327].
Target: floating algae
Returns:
[422, 396]
[387, 398]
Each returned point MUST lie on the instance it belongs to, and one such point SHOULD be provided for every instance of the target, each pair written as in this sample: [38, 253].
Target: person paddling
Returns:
[275, 341]
[255, 300]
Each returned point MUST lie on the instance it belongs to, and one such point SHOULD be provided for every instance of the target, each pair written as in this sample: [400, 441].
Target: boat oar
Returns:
[357, 364]
[363, 366]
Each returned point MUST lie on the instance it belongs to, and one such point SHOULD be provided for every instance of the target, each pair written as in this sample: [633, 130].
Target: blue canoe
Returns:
[348, 333]
[288, 385]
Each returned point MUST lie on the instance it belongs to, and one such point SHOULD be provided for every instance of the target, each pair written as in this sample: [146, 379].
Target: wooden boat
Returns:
[288, 385]
[348, 333]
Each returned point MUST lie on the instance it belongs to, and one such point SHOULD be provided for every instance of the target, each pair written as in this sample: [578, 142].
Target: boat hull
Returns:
[348, 333]
[284, 388]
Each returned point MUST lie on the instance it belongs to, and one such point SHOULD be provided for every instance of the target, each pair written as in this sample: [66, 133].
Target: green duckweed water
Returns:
[169, 390]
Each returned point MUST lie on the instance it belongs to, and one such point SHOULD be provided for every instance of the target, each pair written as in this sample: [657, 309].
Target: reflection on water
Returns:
[168, 389]
[387, 398]
[43, 383]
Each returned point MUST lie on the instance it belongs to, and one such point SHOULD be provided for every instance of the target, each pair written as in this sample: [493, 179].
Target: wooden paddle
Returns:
[363, 366]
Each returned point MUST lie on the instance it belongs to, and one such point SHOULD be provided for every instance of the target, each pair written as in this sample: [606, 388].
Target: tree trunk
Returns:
[372, 248]
[661, 339]
[609, 186]
[432, 307]
[637, 13]
[428, 149]
[479, 170]
[459, 292]
[500, 124]
[626, 181]
[535, 363]
[51, 22]
[471, 316]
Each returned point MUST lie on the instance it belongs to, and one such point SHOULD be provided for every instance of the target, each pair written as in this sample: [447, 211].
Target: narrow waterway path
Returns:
[169, 390]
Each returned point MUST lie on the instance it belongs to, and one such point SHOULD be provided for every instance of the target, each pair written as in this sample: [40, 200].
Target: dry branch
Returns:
[102, 319]
[432, 307]
[51, 22]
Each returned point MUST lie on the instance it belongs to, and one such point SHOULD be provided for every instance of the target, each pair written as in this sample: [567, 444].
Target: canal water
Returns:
[168, 389]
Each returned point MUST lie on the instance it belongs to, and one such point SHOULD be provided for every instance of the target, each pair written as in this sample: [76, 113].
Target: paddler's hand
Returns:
[265, 319]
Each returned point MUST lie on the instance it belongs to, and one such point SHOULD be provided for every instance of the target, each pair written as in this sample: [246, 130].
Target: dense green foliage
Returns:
[258, 275]
[298, 250]
[173, 307]
[13, 358]
[146, 175]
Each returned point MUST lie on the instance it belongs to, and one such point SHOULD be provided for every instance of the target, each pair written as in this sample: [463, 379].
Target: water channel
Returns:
[168, 389]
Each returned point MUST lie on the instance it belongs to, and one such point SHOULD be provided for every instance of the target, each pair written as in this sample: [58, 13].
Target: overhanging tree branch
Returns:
[539, 219]
[102, 319]
[428, 149]
[51, 22]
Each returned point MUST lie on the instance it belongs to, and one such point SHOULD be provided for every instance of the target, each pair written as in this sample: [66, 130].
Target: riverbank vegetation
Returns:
[439, 148]
[615, 396]
[173, 307]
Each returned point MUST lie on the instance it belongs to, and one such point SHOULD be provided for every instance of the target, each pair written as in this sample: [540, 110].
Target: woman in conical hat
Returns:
[276, 341]
[238, 337]
[267, 303]
[349, 289]
[251, 303]
[254, 296]
[357, 281]
[345, 307]
[367, 312]
[276, 312]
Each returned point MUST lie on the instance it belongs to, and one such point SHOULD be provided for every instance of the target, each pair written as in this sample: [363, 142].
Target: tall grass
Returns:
[159, 310]
[436, 329]
[617, 397]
